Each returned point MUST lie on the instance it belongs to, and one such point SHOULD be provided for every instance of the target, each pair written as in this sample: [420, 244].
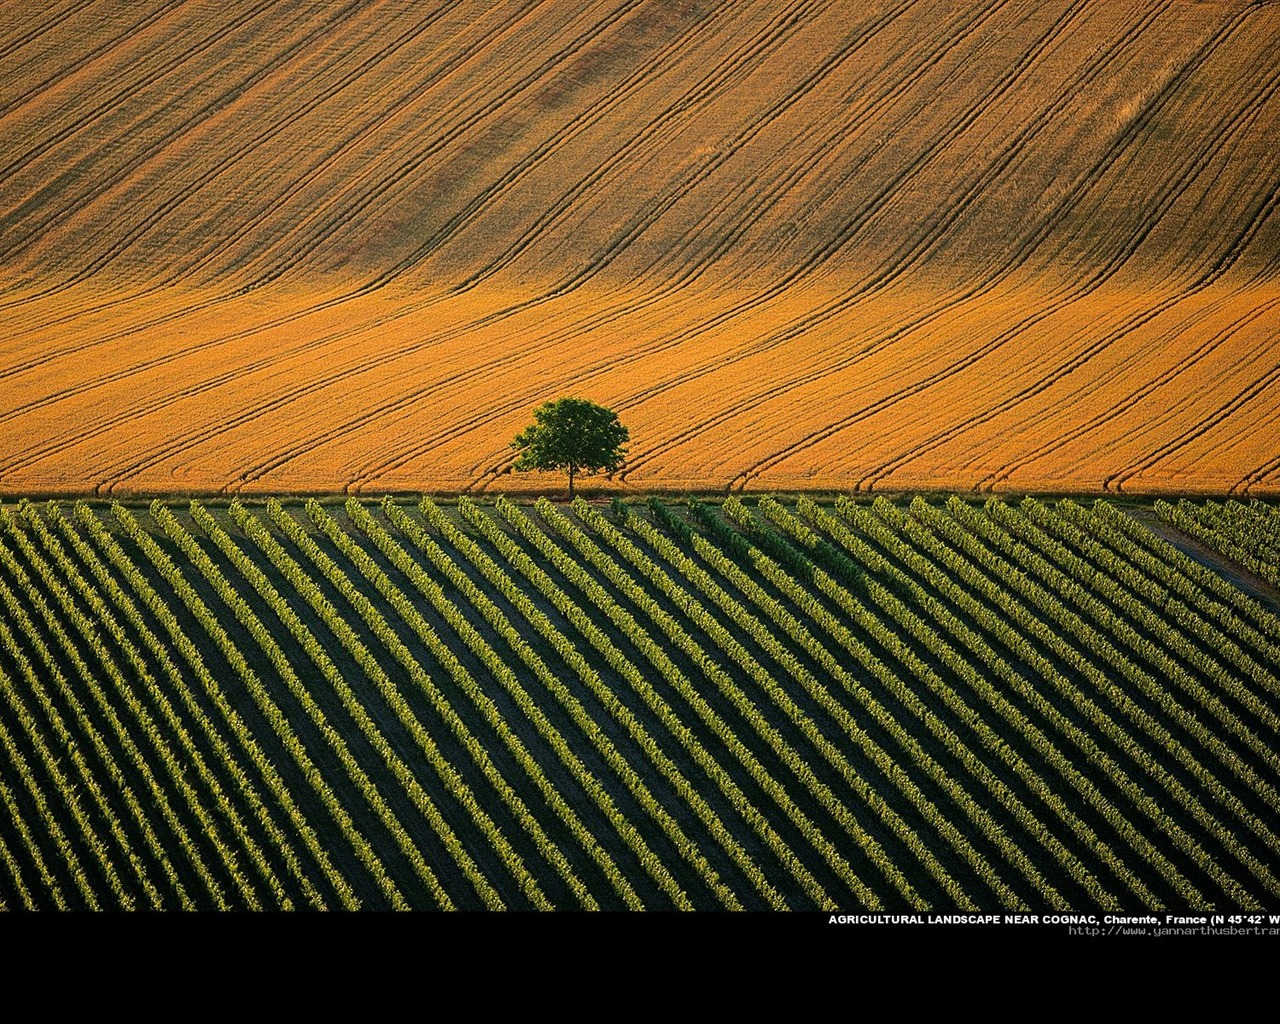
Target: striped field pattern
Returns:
[665, 706]
[285, 246]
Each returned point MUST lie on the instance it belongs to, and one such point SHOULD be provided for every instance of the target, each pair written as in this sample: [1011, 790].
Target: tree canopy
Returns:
[572, 435]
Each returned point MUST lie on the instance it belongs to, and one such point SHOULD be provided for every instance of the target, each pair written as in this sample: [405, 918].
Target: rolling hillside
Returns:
[301, 246]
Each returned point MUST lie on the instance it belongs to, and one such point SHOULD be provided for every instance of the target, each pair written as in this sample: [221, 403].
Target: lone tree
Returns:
[572, 434]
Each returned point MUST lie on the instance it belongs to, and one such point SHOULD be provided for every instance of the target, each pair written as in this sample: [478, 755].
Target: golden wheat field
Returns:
[293, 246]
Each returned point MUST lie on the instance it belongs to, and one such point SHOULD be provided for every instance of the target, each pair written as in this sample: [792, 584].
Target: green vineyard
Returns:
[747, 705]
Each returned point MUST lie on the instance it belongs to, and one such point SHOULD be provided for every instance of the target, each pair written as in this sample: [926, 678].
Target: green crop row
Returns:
[15, 760]
[279, 722]
[190, 753]
[1223, 533]
[177, 685]
[498, 670]
[933, 642]
[764, 636]
[164, 615]
[1086, 585]
[693, 609]
[301, 693]
[1005, 612]
[1166, 588]
[134, 756]
[711, 670]
[1052, 583]
[780, 576]
[575, 574]
[880, 575]
[591, 680]
[450, 777]
[11, 863]
[84, 773]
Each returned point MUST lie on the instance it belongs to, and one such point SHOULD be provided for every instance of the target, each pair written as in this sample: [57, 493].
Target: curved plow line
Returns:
[721, 78]
[1254, 478]
[363, 290]
[1222, 265]
[756, 196]
[829, 193]
[173, 62]
[216, 105]
[1119, 479]
[1133, 398]
[17, 43]
[220, 107]
[24, 459]
[464, 118]
[1260, 387]
[73, 391]
[621, 239]
[1220, 268]
[388, 114]
[1202, 426]
[662, 126]
[1082, 290]
[727, 237]
[327, 162]
[440, 129]
[815, 261]
[307, 389]
[776, 289]
[188, 350]
[688, 273]
[15, 331]
[495, 317]
[884, 279]
[67, 70]
[379, 469]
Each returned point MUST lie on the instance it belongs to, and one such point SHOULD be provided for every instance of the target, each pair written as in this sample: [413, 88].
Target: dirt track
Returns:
[304, 247]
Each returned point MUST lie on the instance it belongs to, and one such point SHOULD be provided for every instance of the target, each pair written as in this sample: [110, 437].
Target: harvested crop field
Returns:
[285, 246]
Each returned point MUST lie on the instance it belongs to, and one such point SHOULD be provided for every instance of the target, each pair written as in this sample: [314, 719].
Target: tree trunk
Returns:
[571, 469]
